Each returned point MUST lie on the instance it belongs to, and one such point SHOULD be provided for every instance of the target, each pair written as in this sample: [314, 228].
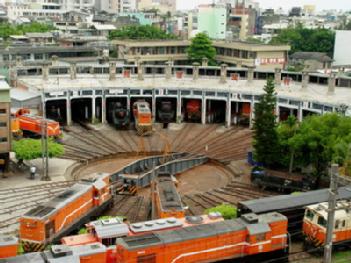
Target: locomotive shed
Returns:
[70, 95]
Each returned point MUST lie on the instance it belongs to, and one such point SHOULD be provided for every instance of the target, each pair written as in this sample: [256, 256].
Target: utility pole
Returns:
[44, 145]
[333, 191]
[153, 191]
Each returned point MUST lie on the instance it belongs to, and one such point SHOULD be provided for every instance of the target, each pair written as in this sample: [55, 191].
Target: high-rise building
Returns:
[163, 6]
[47, 8]
[116, 6]
[76, 4]
[212, 19]
[309, 9]
[242, 21]
[295, 11]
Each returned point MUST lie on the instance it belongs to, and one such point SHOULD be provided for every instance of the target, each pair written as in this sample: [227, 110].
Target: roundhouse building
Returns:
[225, 94]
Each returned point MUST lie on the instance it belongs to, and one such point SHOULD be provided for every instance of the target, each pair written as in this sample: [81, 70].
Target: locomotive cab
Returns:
[314, 225]
[143, 118]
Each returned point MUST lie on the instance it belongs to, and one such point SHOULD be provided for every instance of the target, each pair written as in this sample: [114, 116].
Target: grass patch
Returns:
[341, 256]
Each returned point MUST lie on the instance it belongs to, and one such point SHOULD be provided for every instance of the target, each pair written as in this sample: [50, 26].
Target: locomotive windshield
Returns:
[309, 214]
[321, 221]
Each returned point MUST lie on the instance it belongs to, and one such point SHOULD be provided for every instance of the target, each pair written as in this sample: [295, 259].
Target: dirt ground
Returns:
[212, 176]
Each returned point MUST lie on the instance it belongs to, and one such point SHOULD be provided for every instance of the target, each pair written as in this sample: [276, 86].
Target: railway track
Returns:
[87, 138]
[21, 190]
[15, 202]
[132, 207]
[300, 256]
[232, 193]
[179, 138]
[87, 144]
[201, 138]
[220, 147]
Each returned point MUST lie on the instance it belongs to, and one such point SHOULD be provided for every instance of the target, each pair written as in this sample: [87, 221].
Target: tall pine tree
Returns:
[266, 145]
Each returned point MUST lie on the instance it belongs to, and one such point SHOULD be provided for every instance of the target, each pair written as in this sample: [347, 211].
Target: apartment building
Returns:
[5, 124]
[116, 6]
[164, 6]
[212, 19]
[47, 8]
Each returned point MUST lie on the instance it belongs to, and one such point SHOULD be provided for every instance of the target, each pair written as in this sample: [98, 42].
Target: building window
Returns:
[3, 139]
[244, 54]
[38, 56]
[252, 55]
[3, 124]
[3, 111]
[236, 53]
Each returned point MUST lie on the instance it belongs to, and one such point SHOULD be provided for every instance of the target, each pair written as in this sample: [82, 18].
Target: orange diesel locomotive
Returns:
[8, 246]
[143, 118]
[193, 109]
[48, 222]
[33, 124]
[250, 236]
[165, 198]
[315, 224]
[107, 230]
[92, 253]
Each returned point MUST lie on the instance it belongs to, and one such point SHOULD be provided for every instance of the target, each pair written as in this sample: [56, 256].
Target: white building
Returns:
[342, 55]
[212, 19]
[37, 9]
[116, 6]
[69, 5]
[47, 8]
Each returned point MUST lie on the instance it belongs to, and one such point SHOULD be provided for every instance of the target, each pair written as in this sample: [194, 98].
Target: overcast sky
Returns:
[286, 4]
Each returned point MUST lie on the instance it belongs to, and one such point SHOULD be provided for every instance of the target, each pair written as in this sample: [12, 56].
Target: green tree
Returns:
[266, 143]
[29, 149]
[140, 32]
[201, 47]
[7, 29]
[318, 141]
[306, 40]
[227, 211]
[286, 130]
